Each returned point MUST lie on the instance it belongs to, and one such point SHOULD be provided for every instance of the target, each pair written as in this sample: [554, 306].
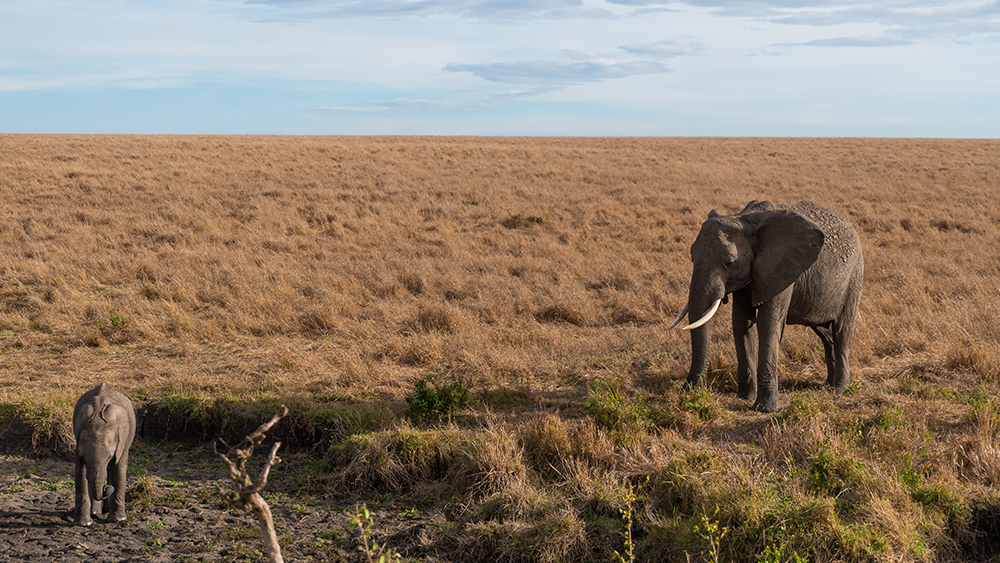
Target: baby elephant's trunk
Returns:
[109, 490]
[99, 486]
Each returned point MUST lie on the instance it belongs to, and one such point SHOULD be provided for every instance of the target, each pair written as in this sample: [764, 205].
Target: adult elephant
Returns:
[798, 264]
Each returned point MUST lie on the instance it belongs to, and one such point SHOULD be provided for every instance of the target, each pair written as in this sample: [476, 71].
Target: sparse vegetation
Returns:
[712, 534]
[373, 552]
[213, 278]
[430, 399]
[616, 410]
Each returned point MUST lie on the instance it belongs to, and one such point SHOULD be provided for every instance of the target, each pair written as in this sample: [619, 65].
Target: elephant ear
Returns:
[786, 244]
[114, 414]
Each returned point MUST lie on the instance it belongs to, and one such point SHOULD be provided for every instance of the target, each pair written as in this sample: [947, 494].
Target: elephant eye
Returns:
[730, 262]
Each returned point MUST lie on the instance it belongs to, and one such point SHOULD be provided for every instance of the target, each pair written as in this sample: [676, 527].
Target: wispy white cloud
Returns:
[905, 17]
[452, 104]
[666, 49]
[742, 7]
[582, 67]
[909, 18]
[884, 41]
[478, 9]
[402, 106]
[558, 73]
[901, 19]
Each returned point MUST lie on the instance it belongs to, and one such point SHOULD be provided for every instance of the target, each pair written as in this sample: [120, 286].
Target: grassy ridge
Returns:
[218, 271]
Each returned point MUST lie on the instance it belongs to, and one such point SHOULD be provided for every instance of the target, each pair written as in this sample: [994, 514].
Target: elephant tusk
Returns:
[706, 318]
[679, 317]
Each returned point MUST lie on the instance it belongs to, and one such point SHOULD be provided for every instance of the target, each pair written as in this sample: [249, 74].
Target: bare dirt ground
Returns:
[176, 514]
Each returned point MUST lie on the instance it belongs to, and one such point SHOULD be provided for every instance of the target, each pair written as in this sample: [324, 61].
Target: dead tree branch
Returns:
[247, 496]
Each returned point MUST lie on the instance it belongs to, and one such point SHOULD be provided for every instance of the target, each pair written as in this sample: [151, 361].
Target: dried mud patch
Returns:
[176, 514]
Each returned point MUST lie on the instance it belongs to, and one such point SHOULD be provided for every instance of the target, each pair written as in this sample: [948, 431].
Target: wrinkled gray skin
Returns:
[798, 264]
[104, 425]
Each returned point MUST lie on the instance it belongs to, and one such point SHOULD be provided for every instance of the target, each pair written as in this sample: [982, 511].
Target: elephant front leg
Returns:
[771, 326]
[83, 495]
[745, 336]
[116, 511]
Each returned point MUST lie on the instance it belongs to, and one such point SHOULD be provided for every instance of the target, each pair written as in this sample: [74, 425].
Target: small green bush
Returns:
[432, 400]
[832, 472]
[624, 415]
[700, 401]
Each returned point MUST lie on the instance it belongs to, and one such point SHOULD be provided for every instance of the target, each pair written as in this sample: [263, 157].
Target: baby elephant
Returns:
[104, 425]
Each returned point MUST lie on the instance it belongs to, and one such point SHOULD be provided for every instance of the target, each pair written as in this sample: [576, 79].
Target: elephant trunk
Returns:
[97, 474]
[700, 348]
[703, 302]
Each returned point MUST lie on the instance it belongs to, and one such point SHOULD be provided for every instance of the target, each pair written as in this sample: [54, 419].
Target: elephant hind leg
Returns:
[843, 330]
[825, 334]
[840, 377]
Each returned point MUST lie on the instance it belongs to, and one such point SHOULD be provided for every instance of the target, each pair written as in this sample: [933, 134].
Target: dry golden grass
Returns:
[533, 267]
[275, 263]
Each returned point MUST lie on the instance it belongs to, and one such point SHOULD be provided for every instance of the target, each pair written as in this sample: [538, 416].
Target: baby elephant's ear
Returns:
[786, 245]
[123, 442]
[117, 416]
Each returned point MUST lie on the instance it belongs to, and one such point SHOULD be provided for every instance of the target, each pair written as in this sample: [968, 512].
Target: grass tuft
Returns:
[433, 400]
[625, 415]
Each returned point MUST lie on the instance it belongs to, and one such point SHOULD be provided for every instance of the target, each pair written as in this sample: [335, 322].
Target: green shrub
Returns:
[625, 415]
[431, 400]
[698, 400]
[801, 407]
[776, 554]
[832, 472]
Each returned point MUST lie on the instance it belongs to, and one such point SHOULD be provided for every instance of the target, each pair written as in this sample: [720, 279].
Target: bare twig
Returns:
[247, 496]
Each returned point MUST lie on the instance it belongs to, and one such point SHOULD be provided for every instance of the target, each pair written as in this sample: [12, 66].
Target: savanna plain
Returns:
[471, 337]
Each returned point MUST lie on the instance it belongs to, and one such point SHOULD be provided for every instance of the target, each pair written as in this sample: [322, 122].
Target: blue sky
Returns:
[899, 68]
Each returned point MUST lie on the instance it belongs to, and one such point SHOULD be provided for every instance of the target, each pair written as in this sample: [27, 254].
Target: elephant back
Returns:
[840, 241]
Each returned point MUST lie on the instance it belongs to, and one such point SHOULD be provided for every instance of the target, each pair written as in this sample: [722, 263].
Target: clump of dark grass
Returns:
[431, 399]
[40, 426]
[561, 314]
[520, 221]
[622, 413]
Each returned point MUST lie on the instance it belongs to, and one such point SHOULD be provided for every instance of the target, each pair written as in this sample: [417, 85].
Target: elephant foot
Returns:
[747, 393]
[119, 516]
[837, 388]
[767, 406]
[86, 522]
